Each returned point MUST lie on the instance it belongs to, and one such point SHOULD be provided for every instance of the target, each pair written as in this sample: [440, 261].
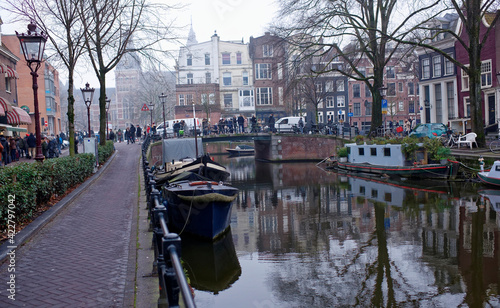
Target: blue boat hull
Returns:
[203, 210]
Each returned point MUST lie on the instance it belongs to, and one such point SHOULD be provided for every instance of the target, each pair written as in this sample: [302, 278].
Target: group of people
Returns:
[13, 148]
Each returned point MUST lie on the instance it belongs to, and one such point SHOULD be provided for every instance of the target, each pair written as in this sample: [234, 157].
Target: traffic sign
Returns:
[384, 104]
[350, 114]
[145, 107]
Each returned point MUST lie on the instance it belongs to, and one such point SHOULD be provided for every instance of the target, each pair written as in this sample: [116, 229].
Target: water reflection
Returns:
[305, 237]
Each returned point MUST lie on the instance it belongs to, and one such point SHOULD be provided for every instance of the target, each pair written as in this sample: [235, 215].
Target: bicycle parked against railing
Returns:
[495, 145]
[450, 139]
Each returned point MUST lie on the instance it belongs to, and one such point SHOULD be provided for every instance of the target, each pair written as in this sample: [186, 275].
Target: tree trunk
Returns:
[102, 109]
[71, 112]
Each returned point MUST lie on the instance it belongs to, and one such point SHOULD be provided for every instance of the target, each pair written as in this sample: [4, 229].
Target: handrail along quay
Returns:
[166, 245]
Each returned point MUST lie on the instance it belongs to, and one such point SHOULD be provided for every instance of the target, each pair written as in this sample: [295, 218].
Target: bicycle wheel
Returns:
[495, 146]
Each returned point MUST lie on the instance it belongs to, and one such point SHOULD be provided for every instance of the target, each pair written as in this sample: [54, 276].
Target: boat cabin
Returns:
[380, 154]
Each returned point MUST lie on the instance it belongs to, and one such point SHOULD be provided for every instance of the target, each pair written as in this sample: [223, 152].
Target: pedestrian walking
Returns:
[32, 145]
[241, 123]
[138, 132]
[301, 125]
[271, 122]
[13, 150]
[132, 133]
[5, 150]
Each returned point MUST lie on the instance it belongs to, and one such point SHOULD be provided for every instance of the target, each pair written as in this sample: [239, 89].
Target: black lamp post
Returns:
[33, 45]
[88, 94]
[108, 103]
[162, 100]
[383, 93]
[151, 105]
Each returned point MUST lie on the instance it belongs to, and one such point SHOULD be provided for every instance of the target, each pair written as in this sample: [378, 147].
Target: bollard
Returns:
[169, 275]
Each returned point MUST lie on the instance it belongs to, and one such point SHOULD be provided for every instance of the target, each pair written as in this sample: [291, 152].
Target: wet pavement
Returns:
[85, 254]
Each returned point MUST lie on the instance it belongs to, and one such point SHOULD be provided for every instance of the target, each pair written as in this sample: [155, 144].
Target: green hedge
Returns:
[34, 184]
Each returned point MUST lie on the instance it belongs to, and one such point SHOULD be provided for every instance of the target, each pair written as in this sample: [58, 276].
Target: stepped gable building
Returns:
[215, 76]
[438, 101]
[268, 54]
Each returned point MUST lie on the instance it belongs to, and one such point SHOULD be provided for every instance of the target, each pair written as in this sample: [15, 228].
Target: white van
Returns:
[170, 126]
[286, 124]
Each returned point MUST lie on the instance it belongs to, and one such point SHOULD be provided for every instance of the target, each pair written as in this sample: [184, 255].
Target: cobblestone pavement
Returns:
[85, 257]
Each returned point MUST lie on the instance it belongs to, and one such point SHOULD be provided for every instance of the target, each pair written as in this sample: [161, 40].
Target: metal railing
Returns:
[166, 245]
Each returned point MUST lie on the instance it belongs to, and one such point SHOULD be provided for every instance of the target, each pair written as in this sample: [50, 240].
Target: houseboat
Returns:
[389, 160]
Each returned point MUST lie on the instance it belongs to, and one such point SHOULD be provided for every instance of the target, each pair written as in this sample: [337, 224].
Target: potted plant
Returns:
[342, 154]
[359, 139]
[442, 155]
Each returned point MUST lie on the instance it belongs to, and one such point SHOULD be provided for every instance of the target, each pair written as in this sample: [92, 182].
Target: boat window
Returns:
[373, 151]
[374, 193]
[497, 168]
[362, 190]
[387, 151]
[361, 151]
[388, 197]
[348, 150]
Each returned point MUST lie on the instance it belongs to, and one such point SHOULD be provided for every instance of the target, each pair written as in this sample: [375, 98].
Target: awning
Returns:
[9, 72]
[17, 129]
[6, 106]
[2, 111]
[18, 116]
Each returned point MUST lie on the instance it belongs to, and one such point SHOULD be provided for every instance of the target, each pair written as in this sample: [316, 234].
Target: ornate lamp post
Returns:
[88, 94]
[108, 103]
[33, 45]
[151, 107]
[162, 100]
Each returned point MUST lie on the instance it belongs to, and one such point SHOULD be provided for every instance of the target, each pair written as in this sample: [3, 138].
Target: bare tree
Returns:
[114, 28]
[61, 21]
[360, 32]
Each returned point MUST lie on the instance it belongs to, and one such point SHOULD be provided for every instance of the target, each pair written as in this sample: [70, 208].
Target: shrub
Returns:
[342, 152]
[105, 151]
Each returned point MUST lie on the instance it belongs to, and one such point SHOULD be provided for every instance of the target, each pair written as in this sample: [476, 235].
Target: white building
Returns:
[216, 71]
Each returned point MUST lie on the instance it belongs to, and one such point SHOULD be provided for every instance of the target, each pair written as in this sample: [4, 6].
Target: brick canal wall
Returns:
[277, 148]
[296, 147]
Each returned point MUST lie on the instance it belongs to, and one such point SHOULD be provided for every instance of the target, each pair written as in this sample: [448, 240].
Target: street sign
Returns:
[145, 107]
[384, 104]
[350, 114]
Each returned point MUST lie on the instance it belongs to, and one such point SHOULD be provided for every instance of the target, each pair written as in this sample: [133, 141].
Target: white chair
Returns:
[467, 139]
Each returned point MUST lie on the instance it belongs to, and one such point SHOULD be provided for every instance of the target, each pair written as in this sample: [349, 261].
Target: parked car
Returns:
[431, 130]
[286, 124]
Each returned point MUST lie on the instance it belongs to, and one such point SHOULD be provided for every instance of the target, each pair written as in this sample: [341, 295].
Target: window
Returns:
[280, 71]
[340, 101]
[486, 74]
[246, 98]
[189, 78]
[189, 98]
[367, 91]
[267, 50]
[449, 67]
[467, 107]
[438, 103]
[189, 60]
[426, 68]
[328, 86]
[390, 72]
[226, 79]
[361, 151]
[356, 90]
[391, 89]
[263, 71]
[368, 108]
[465, 81]
[207, 59]
[340, 85]
[264, 96]
[387, 151]
[400, 87]
[319, 87]
[436, 66]
[208, 77]
[182, 102]
[411, 107]
[245, 78]
[329, 102]
[357, 109]
[401, 106]
[373, 151]
[450, 93]
[228, 100]
[411, 88]
[226, 58]
[238, 58]
[7, 84]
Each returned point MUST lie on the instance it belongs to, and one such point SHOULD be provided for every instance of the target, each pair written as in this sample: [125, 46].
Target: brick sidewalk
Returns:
[84, 257]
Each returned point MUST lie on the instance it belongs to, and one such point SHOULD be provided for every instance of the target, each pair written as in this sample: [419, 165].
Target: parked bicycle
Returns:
[449, 139]
[495, 146]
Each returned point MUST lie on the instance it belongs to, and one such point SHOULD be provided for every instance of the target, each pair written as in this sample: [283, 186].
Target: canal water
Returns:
[304, 237]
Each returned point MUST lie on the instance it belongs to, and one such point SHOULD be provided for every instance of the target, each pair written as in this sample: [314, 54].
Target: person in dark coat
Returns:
[132, 133]
[31, 145]
[138, 133]
[52, 150]
[6, 151]
[241, 123]
[271, 123]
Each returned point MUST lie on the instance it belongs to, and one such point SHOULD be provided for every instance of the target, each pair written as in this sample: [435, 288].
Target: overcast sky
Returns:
[232, 19]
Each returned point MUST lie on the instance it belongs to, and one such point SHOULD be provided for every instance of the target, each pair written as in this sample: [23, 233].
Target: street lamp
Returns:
[383, 92]
[108, 103]
[33, 45]
[151, 109]
[162, 100]
[88, 94]
[194, 130]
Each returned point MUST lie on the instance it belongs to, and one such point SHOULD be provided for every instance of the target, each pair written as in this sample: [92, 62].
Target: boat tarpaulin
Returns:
[179, 148]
